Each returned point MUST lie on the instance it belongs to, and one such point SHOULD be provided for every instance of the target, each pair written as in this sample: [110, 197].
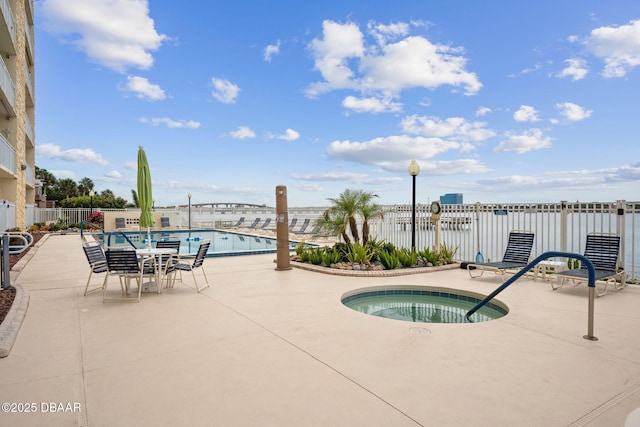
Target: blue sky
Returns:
[503, 101]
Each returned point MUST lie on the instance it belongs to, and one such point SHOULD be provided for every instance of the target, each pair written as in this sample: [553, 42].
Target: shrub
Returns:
[388, 259]
[447, 253]
[330, 256]
[427, 256]
[407, 257]
[359, 254]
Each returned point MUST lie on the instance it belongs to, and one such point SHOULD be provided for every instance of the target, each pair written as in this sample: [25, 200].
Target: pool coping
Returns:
[373, 273]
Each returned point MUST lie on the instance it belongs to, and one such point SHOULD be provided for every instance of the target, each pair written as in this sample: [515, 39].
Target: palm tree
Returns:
[369, 211]
[345, 209]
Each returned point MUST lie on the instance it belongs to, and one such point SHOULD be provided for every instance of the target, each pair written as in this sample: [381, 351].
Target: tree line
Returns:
[68, 193]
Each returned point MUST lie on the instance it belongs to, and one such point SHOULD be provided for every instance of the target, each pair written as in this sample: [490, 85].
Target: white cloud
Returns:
[371, 105]
[452, 127]
[619, 47]
[114, 174]
[224, 91]
[576, 69]
[526, 113]
[356, 178]
[270, 50]
[131, 165]
[347, 62]
[243, 132]
[76, 155]
[573, 112]
[115, 33]
[173, 124]
[289, 135]
[143, 89]
[523, 142]
[483, 111]
[387, 150]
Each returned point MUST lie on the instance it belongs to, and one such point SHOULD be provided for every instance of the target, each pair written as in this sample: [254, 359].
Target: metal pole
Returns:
[592, 297]
[413, 216]
[283, 262]
[6, 269]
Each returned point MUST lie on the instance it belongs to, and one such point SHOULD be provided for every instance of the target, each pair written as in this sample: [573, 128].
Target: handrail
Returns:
[107, 233]
[83, 222]
[25, 236]
[591, 283]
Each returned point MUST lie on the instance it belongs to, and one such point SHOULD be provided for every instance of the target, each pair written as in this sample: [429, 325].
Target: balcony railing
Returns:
[7, 86]
[7, 155]
[29, 79]
[5, 7]
[28, 128]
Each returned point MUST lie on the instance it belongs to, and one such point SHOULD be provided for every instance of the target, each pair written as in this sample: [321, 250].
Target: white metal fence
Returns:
[471, 228]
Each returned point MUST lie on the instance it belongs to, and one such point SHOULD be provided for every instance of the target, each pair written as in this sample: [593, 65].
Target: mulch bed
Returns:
[8, 295]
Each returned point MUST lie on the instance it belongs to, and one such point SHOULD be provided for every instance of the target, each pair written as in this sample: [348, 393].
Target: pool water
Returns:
[423, 304]
[222, 243]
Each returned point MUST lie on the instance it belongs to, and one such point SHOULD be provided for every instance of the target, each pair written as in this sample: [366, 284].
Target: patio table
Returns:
[157, 253]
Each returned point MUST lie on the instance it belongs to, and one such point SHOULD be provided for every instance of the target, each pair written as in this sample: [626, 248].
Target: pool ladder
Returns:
[591, 283]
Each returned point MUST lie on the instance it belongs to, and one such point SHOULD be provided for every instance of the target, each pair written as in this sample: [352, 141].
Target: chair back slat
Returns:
[170, 244]
[602, 250]
[94, 253]
[200, 256]
[96, 258]
[518, 247]
[125, 262]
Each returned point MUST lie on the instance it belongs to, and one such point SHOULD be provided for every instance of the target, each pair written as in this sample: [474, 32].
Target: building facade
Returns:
[451, 199]
[17, 112]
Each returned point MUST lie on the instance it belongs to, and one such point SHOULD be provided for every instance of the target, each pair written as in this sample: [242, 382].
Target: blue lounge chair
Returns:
[603, 250]
[516, 256]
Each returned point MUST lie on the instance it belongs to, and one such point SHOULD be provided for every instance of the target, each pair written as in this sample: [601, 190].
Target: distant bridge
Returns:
[224, 205]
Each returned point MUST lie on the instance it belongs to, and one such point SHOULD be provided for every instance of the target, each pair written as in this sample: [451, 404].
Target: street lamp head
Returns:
[92, 193]
[189, 196]
[414, 168]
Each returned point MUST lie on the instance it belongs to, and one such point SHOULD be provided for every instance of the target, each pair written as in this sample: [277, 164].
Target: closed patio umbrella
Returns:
[145, 199]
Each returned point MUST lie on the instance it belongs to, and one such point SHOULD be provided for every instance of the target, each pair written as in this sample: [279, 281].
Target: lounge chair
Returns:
[266, 223]
[304, 226]
[255, 223]
[120, 223]
[314, 231]
[603, 250]
[97, 261]
[516, 256]
[197, 263]
[240, 222]
[294, 221]
[164, 222]
[125, 265]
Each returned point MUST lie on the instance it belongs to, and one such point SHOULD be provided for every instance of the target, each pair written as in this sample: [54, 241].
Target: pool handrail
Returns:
[107, 233]
[551, 254]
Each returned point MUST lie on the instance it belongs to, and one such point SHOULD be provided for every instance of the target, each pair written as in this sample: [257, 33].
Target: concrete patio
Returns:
[277, 348]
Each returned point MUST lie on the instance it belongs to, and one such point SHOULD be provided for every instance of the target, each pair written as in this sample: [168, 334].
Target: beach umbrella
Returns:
[145, 199]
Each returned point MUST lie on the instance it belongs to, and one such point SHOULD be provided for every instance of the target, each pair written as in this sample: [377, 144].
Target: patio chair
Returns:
[516, 256]
[255, 223]
[97, 262]
[240, 222]
[294, 221]
[165, 260]
[164, 222]
[603, 250]
[198, 260]
[120, 223]
[125, 265]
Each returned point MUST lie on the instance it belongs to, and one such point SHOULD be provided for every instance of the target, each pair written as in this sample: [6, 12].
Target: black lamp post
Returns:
[189, 197]
[414, 170]
[91, 194]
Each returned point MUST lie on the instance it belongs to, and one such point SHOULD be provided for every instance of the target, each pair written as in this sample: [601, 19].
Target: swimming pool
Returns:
[223, 243]
[422, 304]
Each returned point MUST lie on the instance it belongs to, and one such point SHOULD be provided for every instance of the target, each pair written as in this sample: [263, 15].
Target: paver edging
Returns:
[13, 320]
[373, 273]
